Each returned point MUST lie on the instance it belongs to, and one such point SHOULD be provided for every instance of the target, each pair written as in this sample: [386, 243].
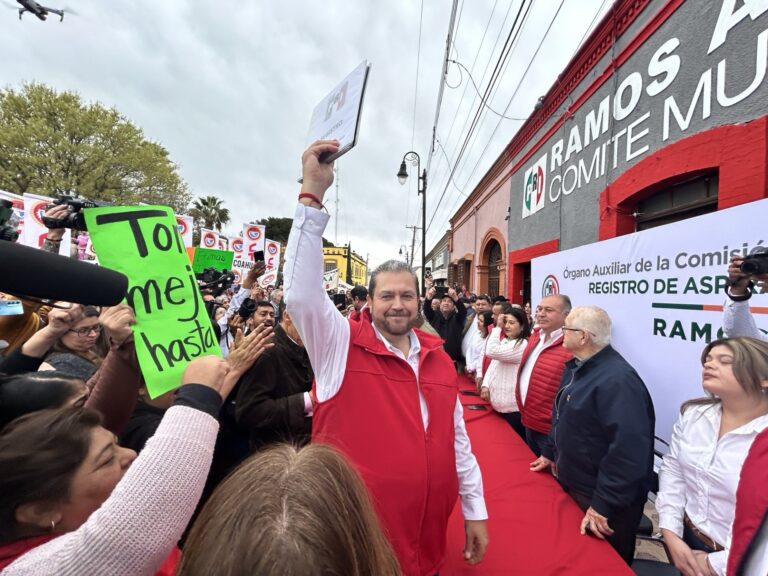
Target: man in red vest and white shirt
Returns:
[541, 368]
[386, 395]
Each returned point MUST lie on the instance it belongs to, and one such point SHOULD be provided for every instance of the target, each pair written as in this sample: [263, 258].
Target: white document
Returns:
[337, 116]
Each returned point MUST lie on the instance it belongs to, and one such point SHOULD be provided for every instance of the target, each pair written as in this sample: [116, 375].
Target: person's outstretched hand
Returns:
[209, 371]
[317, 176]
[247, 349]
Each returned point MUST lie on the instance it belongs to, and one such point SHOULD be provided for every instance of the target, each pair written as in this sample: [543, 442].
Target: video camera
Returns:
[756, 264]
[75, 219]
[247, 308]
[217, 281]
[8, 222]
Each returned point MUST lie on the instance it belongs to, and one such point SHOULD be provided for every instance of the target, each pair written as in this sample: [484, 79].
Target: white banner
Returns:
[272, 255]
[18, 210]
[223, 242]
[331, 279]
[664, 290]
[185, 224]
[209, 239]
[253, 239]
[35, 231]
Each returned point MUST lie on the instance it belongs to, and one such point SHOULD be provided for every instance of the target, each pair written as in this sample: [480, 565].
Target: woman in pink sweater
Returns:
[74, 502]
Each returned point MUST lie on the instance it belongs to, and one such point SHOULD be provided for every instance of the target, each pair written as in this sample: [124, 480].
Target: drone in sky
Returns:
[38, 10]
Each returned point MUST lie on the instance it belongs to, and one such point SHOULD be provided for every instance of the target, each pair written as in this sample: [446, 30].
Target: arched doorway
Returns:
[494, 275]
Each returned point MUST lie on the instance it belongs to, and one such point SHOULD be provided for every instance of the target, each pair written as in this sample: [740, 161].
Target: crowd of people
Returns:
[303, 449]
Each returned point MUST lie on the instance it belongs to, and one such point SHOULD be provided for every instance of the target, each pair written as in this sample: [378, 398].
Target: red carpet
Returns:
[533, 525]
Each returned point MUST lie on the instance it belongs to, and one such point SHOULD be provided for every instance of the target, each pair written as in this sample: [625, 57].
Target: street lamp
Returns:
[402, 176]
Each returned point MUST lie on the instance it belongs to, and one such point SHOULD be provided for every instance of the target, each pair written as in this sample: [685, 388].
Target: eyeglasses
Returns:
[566, 328]
[85, 332]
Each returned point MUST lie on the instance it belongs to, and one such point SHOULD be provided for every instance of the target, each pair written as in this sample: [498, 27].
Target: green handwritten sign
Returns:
[210, 258]
[172, 326]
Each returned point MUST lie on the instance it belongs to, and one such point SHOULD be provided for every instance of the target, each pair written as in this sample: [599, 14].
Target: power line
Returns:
[525, 73]
[448, 43]
[416, 89]
[477, 55]
[478, 92]
[415, 100]
[494, 78]
[502, 57]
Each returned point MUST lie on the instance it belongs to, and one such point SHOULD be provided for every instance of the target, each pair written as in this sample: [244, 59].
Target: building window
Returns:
[693, 197]
[330, 265]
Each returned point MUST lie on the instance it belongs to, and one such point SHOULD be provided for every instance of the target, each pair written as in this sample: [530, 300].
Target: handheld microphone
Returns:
[26, 271]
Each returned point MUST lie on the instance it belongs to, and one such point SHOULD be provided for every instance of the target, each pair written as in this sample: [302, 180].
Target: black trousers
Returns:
[535, 440]
[515, 420]
[623, 522]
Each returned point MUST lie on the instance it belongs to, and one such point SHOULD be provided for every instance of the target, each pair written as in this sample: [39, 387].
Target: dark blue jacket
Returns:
[602, 429]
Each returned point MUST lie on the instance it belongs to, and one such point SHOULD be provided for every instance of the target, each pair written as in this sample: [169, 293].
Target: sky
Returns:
[228, 88]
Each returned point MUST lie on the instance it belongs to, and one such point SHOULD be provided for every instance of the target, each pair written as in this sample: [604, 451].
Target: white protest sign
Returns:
[331, 279]
[337, 116]
[664, 290]
[185, 224]
[272, 255]
[35, 231]
[268, 279]
[209, 239]
[253, 239]
[242, 262]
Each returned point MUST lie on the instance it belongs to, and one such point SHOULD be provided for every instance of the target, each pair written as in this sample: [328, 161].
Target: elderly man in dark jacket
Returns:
[273, 402]
[448, 322]
[601, 443]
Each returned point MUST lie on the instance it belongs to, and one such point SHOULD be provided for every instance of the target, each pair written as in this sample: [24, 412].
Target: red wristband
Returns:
[313, 198]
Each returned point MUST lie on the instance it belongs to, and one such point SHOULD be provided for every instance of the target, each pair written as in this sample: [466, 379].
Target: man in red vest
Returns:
[541, 367]
[385, 393]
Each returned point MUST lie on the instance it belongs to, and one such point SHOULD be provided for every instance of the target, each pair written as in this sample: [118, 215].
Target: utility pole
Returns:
[413, 243]
[336, 210]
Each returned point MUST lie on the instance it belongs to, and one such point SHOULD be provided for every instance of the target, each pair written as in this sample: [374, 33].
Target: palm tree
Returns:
[209, 212]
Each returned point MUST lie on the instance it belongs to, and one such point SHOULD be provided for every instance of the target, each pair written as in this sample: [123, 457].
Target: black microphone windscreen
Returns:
[26, 271]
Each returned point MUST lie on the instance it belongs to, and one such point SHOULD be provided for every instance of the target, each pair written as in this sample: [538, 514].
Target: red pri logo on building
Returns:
[182, 226]
[237, 245]
[272, 249]
[209, 240]
[254, 233]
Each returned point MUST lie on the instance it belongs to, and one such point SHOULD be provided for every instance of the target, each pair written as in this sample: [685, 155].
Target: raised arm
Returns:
[324, 331]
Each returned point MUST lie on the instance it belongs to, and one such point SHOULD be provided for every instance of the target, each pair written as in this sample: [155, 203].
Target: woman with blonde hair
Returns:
[700, 474]
[289, 511]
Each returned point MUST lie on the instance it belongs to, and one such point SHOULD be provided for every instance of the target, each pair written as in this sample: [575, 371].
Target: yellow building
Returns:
[337, 257]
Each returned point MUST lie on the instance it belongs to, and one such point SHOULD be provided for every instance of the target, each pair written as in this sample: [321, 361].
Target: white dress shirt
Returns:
[525, 373]
[700, 474]
[738, 321]
[326, 333]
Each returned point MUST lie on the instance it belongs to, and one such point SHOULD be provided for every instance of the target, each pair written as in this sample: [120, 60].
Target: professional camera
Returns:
[8, 222]
[247, 308]
[217, 281]
[756, 263]
[75, 219]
